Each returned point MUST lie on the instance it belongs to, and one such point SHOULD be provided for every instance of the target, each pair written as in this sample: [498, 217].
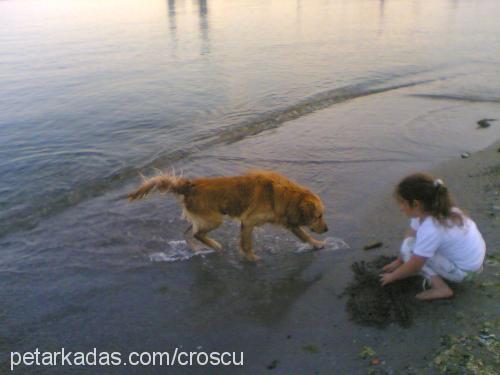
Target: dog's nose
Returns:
[326, 228]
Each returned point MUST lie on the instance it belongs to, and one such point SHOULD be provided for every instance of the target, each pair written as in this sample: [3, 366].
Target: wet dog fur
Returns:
[256, 198]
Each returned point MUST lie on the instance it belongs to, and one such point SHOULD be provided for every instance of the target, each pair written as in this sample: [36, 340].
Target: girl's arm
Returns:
[410, 232]
[393, 265]
[409, 268]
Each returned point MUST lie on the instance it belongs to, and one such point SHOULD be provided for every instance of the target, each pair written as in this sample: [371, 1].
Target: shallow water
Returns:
[95, 92]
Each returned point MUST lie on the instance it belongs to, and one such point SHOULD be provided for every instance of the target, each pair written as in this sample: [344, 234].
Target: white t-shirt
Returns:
[463, 245]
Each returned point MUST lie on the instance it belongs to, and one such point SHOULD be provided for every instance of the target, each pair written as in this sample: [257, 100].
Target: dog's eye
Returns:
[320, 216]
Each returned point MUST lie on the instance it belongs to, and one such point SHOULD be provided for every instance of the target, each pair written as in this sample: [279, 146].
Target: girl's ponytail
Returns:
[441, 205]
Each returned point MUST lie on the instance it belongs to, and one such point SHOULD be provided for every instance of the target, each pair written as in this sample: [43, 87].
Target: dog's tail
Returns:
[163, 183]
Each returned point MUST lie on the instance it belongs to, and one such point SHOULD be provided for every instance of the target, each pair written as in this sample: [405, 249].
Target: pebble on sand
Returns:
[485, 123]
[272, 365]
[375, 361]
[373, 245]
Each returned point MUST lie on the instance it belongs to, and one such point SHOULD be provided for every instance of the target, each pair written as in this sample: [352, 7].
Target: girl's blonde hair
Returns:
[432, 194]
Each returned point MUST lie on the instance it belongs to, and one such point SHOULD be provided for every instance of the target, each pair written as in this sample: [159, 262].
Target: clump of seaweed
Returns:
[371, 304]
[469, 354]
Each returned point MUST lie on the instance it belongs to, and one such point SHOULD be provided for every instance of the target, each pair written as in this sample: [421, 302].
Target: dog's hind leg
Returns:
[210, 242]
[246, 243]
[204, 228]
[190, 240]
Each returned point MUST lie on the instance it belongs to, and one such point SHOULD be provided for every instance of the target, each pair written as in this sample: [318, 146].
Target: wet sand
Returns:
[475, 184]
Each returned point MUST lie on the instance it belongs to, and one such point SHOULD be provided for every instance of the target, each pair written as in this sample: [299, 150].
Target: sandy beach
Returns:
[313, 348]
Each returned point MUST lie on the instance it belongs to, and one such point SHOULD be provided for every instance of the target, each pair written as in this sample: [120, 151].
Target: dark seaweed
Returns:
[371, 304]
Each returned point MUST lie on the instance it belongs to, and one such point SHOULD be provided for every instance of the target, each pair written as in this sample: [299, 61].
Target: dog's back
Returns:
[233, 196]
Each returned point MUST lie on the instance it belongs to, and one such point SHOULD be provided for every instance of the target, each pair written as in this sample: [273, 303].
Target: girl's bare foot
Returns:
[439, 290]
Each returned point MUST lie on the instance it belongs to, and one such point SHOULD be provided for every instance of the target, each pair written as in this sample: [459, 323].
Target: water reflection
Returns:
[381, 16]
[203, 22]
[263, 293]
[172, 23]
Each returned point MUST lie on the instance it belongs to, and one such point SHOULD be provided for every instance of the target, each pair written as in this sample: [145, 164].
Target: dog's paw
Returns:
[216, 246]
[252, 257]
[316, 244]
[196, 246]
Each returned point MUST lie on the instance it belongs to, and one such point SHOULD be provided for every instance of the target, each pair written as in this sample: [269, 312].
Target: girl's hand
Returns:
[392, 266]
[387, 278]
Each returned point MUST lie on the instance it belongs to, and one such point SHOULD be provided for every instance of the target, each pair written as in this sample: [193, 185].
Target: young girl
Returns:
[442, 243]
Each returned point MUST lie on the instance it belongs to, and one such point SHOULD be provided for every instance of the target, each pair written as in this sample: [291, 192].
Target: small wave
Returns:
[274, 119]
[331, 244]
[463, 98]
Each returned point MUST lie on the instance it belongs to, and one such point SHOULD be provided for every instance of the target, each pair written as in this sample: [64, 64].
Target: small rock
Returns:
[272, 365]
[465, 155]
[485, 122]
[288, 337]
[375, 361]
[311, 348]
[373, 245]
[163, 289]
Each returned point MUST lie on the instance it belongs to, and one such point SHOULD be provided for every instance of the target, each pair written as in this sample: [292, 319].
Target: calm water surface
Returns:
[94, 92]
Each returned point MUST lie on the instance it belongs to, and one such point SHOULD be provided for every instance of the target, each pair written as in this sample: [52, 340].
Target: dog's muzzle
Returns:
[323, 229]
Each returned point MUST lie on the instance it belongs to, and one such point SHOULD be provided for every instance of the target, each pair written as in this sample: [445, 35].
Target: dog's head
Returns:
[312, 210]
[308, 212]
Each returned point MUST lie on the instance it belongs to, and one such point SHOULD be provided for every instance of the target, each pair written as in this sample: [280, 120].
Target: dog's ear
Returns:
[300, 210]
[293, 212]
[307, 210]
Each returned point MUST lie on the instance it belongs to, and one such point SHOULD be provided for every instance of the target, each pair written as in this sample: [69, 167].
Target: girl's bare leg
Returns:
[439, 289]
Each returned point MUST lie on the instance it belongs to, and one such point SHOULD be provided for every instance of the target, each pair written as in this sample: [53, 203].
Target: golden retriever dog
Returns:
[256, 198]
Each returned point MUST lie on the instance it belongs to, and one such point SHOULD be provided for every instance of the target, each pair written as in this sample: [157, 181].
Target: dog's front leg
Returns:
[305, 237]
[246, 243]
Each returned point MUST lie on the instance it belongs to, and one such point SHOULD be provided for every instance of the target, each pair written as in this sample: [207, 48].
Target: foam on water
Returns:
[178, 251]
[332, 244]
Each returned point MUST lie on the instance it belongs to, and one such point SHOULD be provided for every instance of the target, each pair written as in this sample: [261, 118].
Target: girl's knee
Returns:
[446, 269]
